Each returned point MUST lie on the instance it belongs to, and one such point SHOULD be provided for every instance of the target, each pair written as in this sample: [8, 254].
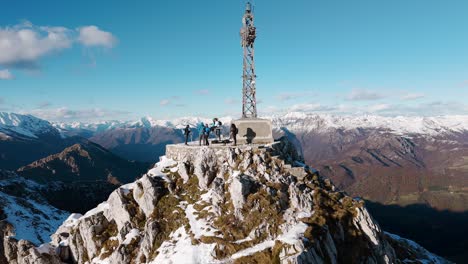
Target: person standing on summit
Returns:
[187, 132]
[217, 128]
[233, 133]
[206, 133]
[201, 132]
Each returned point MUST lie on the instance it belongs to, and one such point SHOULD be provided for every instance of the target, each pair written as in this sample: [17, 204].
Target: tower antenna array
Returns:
[252, 130]
[248, 35]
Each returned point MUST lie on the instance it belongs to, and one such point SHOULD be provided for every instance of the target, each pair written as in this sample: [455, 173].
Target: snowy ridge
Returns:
[32, 217]
[417, 250]
[305, 122]
[31, 126]
[400, 124]
[25, 125]
[95, 127]
[144, 122]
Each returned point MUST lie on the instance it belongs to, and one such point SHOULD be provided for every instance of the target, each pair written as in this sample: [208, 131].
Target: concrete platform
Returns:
[254, 131]
[180, 152]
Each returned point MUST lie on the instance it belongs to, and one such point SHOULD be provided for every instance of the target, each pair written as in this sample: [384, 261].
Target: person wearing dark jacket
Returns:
[207, 131]
[233, 133]
[187, 132]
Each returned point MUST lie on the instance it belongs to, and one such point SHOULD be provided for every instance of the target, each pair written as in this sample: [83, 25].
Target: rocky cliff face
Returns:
[224, 205]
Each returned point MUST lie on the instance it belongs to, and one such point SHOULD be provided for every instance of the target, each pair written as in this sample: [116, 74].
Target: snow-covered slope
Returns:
[412, 250]
[228, 205]
[94, 127]
[401, 125]
[25, 125]
[30, 215]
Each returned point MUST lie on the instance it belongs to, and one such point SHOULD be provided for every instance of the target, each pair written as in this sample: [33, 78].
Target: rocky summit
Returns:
[246, 204]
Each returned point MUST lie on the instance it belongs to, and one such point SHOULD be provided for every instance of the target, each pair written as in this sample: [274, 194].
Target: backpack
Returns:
[237, 131]
[220, 123]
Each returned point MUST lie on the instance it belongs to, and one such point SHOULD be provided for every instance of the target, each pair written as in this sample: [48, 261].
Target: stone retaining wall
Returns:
[179, 152]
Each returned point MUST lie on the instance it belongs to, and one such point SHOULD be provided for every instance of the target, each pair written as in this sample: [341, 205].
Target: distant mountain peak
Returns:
[84, 161]
[13, 124]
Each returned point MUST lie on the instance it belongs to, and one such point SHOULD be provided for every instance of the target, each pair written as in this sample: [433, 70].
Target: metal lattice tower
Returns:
[248, 34]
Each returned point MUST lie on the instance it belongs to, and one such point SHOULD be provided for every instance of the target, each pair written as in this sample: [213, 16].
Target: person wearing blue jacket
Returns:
[207, 131]
[201, 132]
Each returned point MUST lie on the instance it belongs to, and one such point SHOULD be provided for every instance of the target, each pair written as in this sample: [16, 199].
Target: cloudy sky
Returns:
[95, 60]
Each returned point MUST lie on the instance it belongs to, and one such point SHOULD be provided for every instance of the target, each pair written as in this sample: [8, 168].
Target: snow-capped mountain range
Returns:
[144, 122]
[303, 122]
[401, 125]
[30, 126]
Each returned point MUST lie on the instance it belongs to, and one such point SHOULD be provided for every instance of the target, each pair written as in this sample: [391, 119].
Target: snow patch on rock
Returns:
[180, 250]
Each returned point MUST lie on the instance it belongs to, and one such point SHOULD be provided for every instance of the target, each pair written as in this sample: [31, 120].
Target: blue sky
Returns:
[90, 60]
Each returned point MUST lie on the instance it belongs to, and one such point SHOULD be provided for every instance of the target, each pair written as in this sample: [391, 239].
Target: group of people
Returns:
[205, 130]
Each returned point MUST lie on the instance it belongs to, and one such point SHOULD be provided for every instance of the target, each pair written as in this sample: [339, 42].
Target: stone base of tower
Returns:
[254, 131]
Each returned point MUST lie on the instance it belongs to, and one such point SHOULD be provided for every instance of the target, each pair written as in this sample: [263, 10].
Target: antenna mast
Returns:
[248, 35]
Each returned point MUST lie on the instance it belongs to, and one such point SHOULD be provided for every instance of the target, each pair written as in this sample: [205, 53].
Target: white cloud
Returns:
[93, 36]
[304, 107]
[44, 104]
[463, 84]
[286, 96]
[173, 100]
[364, 95]
[438, 108]
[378, 107]
[164, 102]
[311, 107]
[289, 96]
[231, 101]
[385, 109]
[23, 45]
[412, 96]
[5, 75]
[270, 109]
[425, 109]
[202, 92]
[65, 114]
